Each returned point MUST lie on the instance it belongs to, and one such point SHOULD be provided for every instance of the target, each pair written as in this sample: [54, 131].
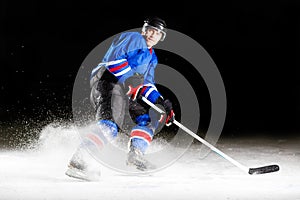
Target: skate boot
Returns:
[79, 167]
[136, 158]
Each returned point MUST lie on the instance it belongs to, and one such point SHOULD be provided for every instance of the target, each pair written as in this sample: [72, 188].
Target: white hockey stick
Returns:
[258, 170]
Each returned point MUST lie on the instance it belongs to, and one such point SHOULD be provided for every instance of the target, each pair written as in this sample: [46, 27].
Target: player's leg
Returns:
[141, 136]
[102, 131]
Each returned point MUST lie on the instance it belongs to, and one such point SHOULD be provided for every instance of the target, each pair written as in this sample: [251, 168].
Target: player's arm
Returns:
[150, 92]
[121, 53]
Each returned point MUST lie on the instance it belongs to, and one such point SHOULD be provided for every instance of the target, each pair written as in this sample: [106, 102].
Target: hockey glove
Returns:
[133, 86]
[170, 115]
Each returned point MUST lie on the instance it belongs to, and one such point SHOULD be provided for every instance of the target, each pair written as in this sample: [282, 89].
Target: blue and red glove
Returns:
[167, 105]
[133, 86]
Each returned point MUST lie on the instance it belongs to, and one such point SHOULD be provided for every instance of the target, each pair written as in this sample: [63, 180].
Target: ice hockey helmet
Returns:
[156, 23]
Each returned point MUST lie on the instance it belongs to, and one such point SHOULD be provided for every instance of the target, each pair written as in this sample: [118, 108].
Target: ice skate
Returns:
[136, 158]
[79, 167]
[83, 174]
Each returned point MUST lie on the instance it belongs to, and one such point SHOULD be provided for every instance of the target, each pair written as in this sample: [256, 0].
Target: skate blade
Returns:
[141, 166]
[85, 176]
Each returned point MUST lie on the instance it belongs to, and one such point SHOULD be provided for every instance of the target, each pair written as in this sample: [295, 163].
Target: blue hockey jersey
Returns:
[129, 54]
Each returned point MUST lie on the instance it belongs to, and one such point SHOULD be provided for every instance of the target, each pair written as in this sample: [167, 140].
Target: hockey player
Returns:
[127, 70]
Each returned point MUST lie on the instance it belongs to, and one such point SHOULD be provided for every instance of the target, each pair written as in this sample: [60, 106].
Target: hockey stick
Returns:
[258, 170]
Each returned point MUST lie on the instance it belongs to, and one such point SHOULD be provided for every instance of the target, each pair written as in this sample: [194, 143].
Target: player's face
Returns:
[152, 36]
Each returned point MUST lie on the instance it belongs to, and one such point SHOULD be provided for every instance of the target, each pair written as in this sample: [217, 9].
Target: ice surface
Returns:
[38, 173]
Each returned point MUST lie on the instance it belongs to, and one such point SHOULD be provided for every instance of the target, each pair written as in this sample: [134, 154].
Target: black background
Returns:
[255, 46]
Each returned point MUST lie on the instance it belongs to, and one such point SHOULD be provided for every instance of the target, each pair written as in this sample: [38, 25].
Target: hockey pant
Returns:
[120, 114]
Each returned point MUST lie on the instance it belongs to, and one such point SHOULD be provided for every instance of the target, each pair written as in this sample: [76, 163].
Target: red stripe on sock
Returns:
[142, 134]
[95, 139]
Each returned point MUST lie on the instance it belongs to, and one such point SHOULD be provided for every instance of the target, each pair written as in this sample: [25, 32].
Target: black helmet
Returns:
[157, 23]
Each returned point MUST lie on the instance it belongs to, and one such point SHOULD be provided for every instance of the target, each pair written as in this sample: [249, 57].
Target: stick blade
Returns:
[264, 170]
